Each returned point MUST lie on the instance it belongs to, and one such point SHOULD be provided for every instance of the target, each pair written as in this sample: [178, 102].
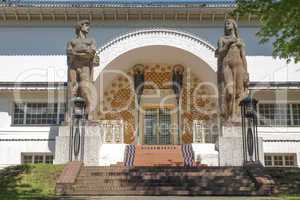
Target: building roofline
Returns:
[119, 3]
[64, 12]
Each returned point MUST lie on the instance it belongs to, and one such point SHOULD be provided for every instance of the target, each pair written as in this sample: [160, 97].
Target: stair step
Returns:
[158, 191]
[158, 155]
[162, 181]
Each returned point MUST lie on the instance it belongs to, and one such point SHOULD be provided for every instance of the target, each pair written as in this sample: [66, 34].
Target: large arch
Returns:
[158, 50]
[156, 37]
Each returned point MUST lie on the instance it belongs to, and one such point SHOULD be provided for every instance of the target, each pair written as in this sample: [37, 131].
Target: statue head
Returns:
[178, 69]
[138, 69]
[82, 26]
[231, 26]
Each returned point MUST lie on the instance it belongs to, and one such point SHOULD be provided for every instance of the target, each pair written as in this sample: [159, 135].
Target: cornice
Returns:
[118, 3]
[70, 14]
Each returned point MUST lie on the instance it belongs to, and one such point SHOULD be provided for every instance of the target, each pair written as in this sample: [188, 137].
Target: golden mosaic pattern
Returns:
[119, 102]
[160, 80]
[187, 138]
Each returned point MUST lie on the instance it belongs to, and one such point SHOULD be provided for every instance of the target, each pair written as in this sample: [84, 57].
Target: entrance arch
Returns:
[156, 37]
[160, 50]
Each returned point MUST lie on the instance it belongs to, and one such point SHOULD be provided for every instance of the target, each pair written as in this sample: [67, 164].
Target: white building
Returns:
[157, 35]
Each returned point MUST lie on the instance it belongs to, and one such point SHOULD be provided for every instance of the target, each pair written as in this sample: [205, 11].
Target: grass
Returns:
[291, 197]
[26, 182]
[288, 180]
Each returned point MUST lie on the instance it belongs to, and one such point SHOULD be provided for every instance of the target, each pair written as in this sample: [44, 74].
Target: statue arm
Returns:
[93, 46]
[243, 54]
[96, 59]
[220, 54]
[69, 53]
[222, 48]
[243, 57]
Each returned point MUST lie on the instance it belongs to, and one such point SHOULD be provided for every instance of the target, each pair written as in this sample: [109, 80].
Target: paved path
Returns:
[168, 198]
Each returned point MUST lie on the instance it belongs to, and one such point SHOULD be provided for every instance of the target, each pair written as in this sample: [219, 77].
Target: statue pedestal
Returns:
[231, 147]
[90, 144]
[62, 143]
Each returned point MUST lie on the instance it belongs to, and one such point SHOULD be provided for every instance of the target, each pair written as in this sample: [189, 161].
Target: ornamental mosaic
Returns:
[119, 101]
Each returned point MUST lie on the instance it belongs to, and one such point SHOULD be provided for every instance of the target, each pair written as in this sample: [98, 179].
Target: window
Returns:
[38, 159]
[280, 160]
[29, 158]
[49, 159]
[289, 160]
[279, 114]
[38, 113]
[296, 114]
[268, 160]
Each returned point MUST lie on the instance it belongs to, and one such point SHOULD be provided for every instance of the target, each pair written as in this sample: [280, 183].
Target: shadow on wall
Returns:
[52, 137]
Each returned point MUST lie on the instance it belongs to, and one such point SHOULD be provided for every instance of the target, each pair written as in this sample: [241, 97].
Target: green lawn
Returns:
[29, 181]
[291, 197]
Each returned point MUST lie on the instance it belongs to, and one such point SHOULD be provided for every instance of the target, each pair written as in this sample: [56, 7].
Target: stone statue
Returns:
[233, 77]
[81, 57]
[139, 81]
[177, 79]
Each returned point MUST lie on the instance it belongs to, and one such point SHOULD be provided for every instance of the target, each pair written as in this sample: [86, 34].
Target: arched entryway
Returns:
[158, 51]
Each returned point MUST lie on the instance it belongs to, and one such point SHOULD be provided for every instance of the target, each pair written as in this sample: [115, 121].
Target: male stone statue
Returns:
[81, 55]
[233, 77]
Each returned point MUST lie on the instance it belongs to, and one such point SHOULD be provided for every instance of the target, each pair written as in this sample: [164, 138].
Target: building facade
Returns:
[157, 36]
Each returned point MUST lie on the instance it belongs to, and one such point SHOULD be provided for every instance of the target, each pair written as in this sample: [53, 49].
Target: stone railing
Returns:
[198, 131]
[204, 132]
[112, 131]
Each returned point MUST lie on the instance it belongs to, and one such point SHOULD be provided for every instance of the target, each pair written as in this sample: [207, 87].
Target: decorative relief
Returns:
[111, 131]
[196, 104]
[119, 102]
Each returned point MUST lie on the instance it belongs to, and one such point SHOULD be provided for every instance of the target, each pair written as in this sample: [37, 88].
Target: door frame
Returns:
[173, 133]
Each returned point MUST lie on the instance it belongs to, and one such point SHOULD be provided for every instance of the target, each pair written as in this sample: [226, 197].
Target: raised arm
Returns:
[222, 48]
[94, 46]
[69, 54]
[243, 55]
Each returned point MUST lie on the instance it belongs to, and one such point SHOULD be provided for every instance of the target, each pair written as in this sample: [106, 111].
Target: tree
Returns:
[280, 20]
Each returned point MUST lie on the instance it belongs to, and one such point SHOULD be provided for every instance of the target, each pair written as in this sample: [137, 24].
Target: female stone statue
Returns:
[232, 71]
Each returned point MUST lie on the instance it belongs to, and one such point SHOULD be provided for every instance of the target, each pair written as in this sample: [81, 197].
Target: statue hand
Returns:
[232, 40]
[239, 43]
[92, 52]
[96, 61]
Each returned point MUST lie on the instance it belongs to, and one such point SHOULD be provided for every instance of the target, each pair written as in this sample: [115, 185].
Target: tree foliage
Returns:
[280, 20]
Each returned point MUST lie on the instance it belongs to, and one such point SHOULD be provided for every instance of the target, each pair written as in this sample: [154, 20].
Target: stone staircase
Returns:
[158, 155]
[162, 180]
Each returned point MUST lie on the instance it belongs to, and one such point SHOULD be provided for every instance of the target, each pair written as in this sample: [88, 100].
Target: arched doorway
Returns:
[158, 51]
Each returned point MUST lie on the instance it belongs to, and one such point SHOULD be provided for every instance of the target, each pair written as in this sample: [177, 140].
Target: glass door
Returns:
[157, 126]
